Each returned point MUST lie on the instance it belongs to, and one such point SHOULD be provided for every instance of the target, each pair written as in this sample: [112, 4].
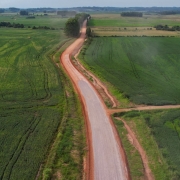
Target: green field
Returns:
[143, 69]
[115, 20]
[35, 111]
[162, 129]
[50, 21]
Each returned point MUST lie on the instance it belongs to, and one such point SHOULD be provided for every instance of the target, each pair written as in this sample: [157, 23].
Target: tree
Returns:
[131, 14]
[1, 10]
[88, 32]
[72, 27]
[22, 13]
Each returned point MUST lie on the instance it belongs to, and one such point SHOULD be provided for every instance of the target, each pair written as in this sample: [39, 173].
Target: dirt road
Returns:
[143, 108]
[107, 161]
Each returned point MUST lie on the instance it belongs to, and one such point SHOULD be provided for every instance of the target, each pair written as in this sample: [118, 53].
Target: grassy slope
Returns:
[161, 128]
[32, 101]
[144, 69]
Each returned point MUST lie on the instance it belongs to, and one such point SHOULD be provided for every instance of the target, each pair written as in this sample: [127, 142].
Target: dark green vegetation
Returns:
[14, 25]
[169, 12]
[167, 28]
[88, 32]
[164, 128]
[133, 156]
[1, 10]
[144, 69]
[38, 132]
[73, 25]
[23, 13]
[132, 14]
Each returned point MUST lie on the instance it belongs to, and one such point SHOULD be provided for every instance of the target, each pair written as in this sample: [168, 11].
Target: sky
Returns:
[79, 3]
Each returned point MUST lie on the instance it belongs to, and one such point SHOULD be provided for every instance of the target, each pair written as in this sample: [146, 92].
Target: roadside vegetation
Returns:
[42, 130]
[73, 25]
[133, 157]
[158, 133]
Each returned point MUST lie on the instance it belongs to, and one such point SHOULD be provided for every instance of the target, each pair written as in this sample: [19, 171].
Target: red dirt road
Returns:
[107, 161]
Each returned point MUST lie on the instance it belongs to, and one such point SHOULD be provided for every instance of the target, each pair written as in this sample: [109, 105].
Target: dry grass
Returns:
[145, 16]
[132, 31]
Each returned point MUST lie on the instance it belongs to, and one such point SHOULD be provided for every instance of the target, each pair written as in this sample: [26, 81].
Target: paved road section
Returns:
[107, 160]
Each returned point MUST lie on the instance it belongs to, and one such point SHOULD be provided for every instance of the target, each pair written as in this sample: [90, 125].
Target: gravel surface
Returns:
[108, 164]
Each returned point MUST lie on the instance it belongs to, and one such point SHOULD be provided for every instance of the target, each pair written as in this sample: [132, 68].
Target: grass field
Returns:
[161, 128]
[143, 69]
[115, 20]
[37, 113]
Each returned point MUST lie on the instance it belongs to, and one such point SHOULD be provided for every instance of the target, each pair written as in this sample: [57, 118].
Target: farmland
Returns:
[36, 116]
[161, 128]
[50, 21]
[115, 20]
[115, 25]
[144, 70]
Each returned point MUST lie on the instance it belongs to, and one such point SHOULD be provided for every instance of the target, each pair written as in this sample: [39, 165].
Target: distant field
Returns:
[132, 31]
[50, 21]
[115, 20]
[115, 25]
[162, 129]
[144, 69]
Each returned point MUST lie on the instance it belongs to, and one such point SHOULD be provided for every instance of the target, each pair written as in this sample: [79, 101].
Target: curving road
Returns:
[107, 161]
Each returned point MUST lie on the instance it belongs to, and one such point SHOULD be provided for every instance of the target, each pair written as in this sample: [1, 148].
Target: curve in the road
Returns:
[108, 162]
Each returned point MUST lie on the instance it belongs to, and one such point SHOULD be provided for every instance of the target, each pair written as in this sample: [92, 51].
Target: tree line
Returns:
[1, 10]
[169, 12]
[17, 25]
[13, 25]
[131, 14]
[167, 28]
[73, 25]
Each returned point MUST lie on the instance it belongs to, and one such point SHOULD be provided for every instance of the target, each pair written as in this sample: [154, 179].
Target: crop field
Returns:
[143, 69]
[32, 102]
[115, 20]
[31, 94]
[162, 128]
[50, 21]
